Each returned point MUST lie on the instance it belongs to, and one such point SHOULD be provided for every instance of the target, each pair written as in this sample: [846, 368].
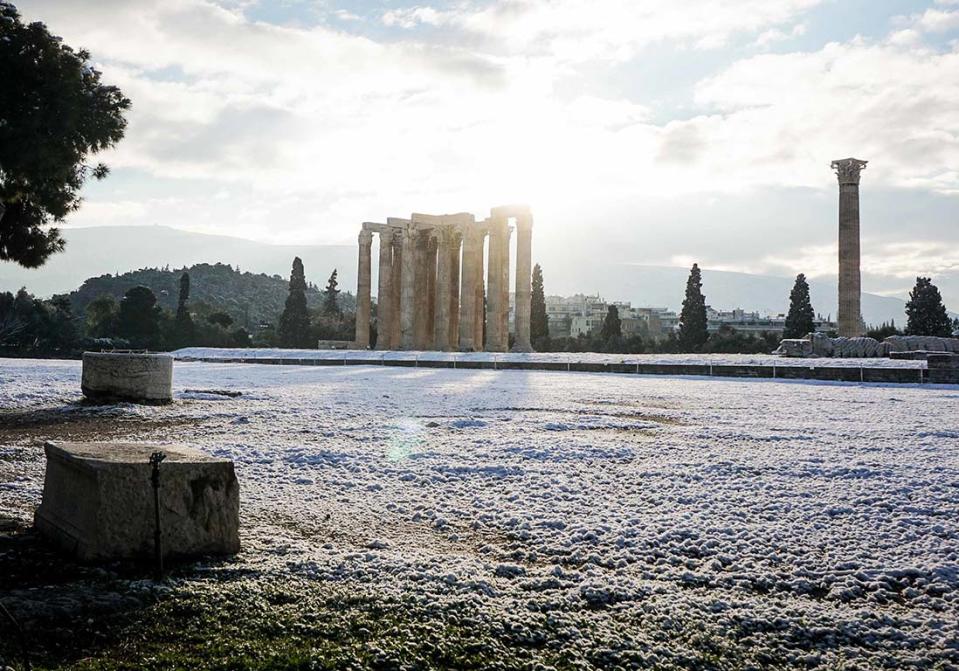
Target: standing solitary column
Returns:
[524, 269]
[407, 295]
[850, 309]
[363, 302]
[454, 328]
[384, 292]
[441, 306]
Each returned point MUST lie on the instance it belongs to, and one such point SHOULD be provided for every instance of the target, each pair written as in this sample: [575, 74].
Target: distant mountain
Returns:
[249, 298]
[92, 252]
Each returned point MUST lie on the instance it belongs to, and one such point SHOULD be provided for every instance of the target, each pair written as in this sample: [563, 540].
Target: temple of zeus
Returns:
[431, 294]
[850, 310]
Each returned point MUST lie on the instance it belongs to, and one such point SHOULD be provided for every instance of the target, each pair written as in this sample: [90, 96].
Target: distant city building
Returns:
[580, 314]
[756, 323]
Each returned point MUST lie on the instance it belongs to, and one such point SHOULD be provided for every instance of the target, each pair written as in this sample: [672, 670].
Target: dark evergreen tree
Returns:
[54, 114]
[331, 305]
[294, 329]
[801, 320]
[184, 330]
[220, 318]
[693, 332]
[925, 312]
[101, 315]
[612, 325]
[538, 321]
[138, 319]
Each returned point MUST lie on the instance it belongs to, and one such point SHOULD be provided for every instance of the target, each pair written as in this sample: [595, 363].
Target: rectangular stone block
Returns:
[98, 501]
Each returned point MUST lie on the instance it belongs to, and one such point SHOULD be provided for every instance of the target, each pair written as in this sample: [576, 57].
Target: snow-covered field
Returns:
[631, 518]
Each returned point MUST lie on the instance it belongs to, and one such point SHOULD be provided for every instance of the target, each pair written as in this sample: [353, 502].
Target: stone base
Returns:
[98, 501]
[141, 378]
[943, 368]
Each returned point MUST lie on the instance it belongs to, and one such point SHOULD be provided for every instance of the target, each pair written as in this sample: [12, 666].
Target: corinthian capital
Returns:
[848, 169]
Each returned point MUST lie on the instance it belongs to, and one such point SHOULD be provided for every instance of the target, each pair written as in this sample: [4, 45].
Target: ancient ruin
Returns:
[850, 312]
[127, 376]
[431, 294]
[97, 501]
[861, 347]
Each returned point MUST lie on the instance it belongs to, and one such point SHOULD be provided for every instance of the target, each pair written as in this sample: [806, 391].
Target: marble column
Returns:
[479, 302]
[504, 291]
[384, 293]
[457, 241]
[494, 285]
[441, 304]
[850, 309]
[432, 246]
[397, 287]
[408, 293]
[467, 315]
[363, 300]
[421, 304]
[524, 269]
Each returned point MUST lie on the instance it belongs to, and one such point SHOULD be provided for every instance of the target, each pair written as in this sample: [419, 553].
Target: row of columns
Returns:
[431, 294]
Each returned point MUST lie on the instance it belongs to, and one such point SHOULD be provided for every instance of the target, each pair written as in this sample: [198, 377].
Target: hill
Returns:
[249, 298]
[95, 251]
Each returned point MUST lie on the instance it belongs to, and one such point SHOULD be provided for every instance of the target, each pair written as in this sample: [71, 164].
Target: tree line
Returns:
[30, 326]
[925, 311]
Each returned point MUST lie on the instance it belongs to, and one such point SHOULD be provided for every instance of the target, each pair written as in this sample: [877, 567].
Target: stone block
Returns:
[143, 378]
[795, 347]
[98, 501]
[943, 368]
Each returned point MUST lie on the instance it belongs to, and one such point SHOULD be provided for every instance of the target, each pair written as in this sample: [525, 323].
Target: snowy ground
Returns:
[626, 520]
[188, 353]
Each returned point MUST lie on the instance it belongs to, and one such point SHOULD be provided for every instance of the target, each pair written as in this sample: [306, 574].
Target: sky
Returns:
[640, 131]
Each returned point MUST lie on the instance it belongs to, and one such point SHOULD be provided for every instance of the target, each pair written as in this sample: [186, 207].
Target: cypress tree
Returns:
[538, 321]
[693, 331]
[925, 311]
[294, 329]
[801, 319]
[183, 325]
[331, 305]
[612, 325]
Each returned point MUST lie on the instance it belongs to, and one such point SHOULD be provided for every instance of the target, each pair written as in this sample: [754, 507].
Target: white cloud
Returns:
[414, 16]
[311, 130]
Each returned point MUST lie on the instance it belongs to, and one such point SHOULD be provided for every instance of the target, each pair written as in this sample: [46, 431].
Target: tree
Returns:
[926, 315]
[612, 326]
[330, 304]
[101, 317]
[801, 320]
[139, 318]
[220, 319]
[693, 332]
[538, 321]
[183, 328]
[55, 113]
[294, 330]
